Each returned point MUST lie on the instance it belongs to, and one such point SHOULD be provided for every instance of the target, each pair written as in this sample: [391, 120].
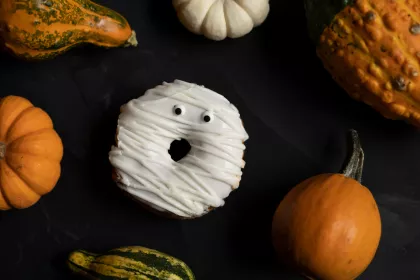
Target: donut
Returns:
[201, 180]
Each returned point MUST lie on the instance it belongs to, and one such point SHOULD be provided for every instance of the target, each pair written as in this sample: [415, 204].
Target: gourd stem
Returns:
[354, 167]
[2, 150]
[132, 41]
[80, 261]
[320, 13]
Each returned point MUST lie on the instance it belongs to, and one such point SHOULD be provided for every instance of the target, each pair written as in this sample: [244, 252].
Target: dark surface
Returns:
[297, 119]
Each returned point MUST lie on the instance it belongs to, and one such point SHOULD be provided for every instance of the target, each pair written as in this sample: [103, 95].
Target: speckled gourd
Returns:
[42, 29]
[372, 49]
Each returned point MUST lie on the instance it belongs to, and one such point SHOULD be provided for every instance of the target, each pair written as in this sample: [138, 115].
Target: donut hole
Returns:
[179, 149]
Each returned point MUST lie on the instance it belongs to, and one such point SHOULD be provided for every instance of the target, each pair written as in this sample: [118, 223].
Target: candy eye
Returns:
[208, 117]
[179, 110]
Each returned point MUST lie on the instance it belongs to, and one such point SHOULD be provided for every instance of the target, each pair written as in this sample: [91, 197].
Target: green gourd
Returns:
[134, 263]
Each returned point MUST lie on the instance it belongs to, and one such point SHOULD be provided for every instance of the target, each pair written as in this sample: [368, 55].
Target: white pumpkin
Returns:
[218, 19]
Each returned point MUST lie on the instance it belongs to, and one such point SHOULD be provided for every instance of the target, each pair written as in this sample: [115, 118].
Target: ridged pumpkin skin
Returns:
[129, 263]
[329, 226]
[43, 29]
[30, 153]
[372, 50]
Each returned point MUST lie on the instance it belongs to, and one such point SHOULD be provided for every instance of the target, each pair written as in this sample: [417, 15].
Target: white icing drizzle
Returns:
[202, 179]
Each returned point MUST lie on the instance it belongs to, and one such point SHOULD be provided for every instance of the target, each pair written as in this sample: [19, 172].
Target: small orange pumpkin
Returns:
[329, 227]
[30, 153]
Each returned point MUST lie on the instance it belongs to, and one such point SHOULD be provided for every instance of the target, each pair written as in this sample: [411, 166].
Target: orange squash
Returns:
[30, 153]
[43, 29]
[328, 227]
[372, 49]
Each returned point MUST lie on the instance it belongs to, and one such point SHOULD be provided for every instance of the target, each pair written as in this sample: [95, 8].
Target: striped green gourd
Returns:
[133, 263]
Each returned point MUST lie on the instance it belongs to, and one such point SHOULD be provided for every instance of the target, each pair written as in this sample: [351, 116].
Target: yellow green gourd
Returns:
[134, 263]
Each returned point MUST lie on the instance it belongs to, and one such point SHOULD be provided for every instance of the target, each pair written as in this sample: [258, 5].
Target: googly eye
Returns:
[179, 110]
[208, 117]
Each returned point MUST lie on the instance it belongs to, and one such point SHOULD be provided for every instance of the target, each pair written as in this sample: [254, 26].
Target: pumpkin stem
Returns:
[354, 168]
[2, 150]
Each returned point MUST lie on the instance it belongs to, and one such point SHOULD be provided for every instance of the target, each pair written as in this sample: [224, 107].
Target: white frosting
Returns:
[206, 175]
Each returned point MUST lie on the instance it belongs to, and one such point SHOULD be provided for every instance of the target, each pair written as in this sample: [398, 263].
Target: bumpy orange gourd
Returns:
[43, 29]
[329, 227]
[372, 49]
[30, 153]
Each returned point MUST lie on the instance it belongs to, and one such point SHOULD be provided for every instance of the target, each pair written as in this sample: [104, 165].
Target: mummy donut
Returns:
[201, 180]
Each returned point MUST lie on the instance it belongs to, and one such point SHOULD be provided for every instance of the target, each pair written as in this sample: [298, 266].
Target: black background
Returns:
[297, 119]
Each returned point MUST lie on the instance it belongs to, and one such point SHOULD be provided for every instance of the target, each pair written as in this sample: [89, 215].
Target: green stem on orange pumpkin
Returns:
[354, 167]
[2, 150]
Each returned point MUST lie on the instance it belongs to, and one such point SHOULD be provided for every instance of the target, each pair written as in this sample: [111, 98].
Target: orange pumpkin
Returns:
[30, 153]
[329, 227]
